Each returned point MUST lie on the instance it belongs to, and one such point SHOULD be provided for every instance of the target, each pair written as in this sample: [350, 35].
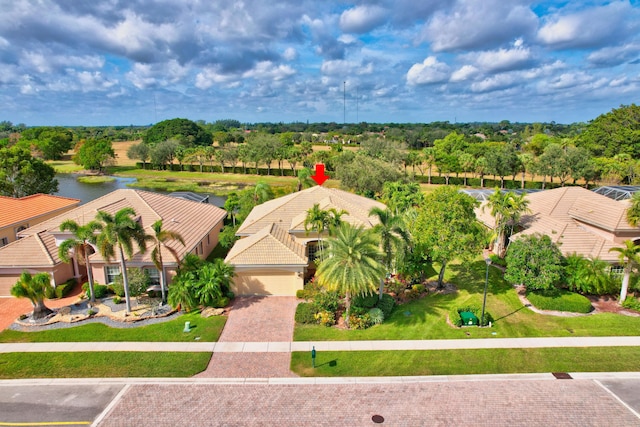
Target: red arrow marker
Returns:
[320, 177]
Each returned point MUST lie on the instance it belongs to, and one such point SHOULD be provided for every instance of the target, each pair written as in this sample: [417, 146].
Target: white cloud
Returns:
[472, 24]
[591, 27]
[267, 70]
[362, 19]
[465, 72]
[149, 75]
[290, 54]
[503, 59]
[428, 72]
[612, 56]
[493, 83]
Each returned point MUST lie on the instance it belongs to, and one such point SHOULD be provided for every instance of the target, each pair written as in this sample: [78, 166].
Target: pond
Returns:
[70, 187]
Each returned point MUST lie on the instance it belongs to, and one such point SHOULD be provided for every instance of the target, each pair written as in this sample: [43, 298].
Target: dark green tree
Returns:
[615, 132]
[446, 228]
[535, 262]
[22, 174]
[94, 154]
[187, 132]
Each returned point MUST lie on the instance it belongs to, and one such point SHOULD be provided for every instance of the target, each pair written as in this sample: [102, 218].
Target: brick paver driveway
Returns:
[474, 403]
[255, 319]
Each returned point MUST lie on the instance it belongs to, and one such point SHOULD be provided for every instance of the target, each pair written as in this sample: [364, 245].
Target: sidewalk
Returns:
[288, 347]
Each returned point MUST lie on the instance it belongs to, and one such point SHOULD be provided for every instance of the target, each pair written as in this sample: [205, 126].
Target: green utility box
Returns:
[469, 319]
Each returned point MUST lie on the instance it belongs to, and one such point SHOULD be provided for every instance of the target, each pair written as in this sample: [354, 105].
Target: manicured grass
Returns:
[426, 318]
[102, 364]
[208, 329]
[466, 362]
[95, 179]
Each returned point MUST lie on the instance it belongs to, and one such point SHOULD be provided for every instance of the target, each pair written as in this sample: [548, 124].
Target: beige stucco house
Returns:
[37, 249]
[274, 252]
[577, 220]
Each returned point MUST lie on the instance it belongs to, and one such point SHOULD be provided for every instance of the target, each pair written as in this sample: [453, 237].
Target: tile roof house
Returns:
[37, 250]
[577, 220]
[274, 253]
[17, 214]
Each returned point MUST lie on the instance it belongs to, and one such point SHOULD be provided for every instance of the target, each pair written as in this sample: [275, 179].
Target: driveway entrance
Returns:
[255, 319]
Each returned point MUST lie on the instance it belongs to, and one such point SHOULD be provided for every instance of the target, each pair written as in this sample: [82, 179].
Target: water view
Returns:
[71, 187]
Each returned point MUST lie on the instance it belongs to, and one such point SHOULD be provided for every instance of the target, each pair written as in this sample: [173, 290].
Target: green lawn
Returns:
[102, 364]
[466, 362]
[208, 330]
[426, 318]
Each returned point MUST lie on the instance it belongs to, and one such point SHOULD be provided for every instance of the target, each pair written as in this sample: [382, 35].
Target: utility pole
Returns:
[344, 103]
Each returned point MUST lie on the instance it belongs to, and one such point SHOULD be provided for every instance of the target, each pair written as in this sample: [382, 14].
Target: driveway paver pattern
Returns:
[490, 403]
[255, 319]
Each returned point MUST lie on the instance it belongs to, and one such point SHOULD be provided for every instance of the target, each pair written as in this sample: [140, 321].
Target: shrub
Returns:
[376, 315]
[65, 288]
[366, 301]
[396, 286]
[117, 300]
[419, 288]
[325, 318]
[560, 300]
[305, 313]
[631, 303]
[303, 294]
[230, 295]
[359, 322]
[386, 304]
[138, 282]
[454, 317]
[100, 291]
[326, 301]
[221, 302]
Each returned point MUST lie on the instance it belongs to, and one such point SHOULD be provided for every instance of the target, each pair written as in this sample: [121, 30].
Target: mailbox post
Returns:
[313, 357]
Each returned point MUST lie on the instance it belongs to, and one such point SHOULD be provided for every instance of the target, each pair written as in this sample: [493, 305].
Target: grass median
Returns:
[102, 364]
[207, 329]
[466, 362]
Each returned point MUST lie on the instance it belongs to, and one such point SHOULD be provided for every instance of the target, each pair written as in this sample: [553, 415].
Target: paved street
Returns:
[484, 400]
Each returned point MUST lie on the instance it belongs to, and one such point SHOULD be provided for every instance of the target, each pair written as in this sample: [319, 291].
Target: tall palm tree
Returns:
[629, 256]
[633, 212]
[80, 244]
[507, 209]
[353, 265]
[120, 231]
[160, 238]
[393, 235]
[33, 288]
[316, 220]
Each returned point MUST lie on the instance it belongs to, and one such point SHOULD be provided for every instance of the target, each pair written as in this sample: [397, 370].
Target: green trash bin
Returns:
[469, 319]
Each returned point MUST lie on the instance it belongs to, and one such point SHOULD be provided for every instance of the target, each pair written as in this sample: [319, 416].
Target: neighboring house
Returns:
[37, 250]
[577, 220]
[275, 253]
[18, 214]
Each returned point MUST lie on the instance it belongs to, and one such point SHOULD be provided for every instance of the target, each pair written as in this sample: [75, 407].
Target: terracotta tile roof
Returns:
[191, 220]
[289, 211]
[271, 245]
[14, 211]
[578, 220]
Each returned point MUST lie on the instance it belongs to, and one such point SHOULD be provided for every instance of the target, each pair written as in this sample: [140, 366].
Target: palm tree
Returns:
[334, 219]
[80, 244]
[120, 231]
[262, 192]
[353, 265]
[214, 279]
[629, 257]
[633, 212]
[33, 288]
[507, 209]
[316, 220]
[393, 235]
[160, 239]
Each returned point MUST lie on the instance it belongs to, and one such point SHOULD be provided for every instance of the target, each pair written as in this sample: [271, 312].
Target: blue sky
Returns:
[121, 62]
